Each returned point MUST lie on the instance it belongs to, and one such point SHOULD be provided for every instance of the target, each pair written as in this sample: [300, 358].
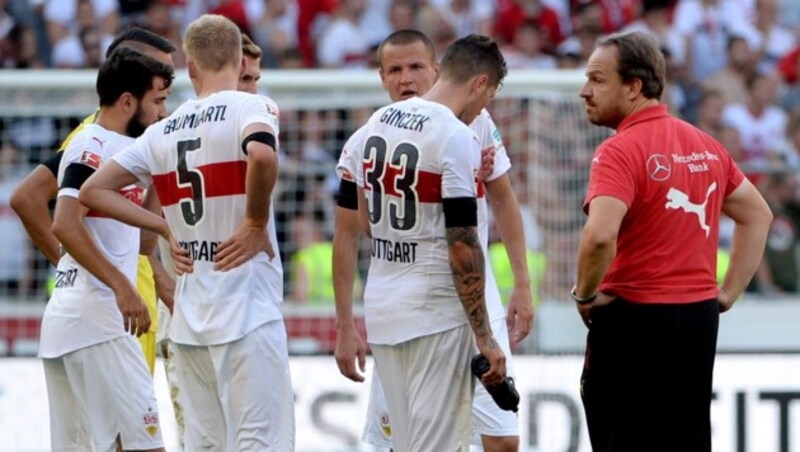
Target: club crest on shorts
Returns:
[150, 421]
[386, 427]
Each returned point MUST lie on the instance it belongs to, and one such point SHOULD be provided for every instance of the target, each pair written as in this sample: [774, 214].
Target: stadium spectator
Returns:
[709, 113]
[84, 50]
[731, 80]
[467, 16]
[310, 264]
[65, 17]
[512, 13]
[275, 29]
[706, 26]
[760, 122]
[231, 268]
[402, 16]
[18, 49]
[655, 21]
[643, 205]
[92, 363]
[776, 40]
[432, 23]
[343, 44]
[779, 270]
[312, 16]
[526, 51]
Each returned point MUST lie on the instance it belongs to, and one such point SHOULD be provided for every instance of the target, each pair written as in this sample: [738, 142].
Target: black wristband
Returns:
[579, 300]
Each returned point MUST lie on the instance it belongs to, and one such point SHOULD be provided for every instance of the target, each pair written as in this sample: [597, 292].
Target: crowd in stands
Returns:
[733, 67]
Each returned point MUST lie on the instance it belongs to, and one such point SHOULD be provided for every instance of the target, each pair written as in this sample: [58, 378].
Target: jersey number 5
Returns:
[191, 208]
[397, 176]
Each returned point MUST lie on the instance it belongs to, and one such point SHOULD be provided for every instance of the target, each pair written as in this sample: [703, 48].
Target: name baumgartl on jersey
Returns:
[201, 250]
[404, 120]
[402, 252]
[66, 278]
[213, 113]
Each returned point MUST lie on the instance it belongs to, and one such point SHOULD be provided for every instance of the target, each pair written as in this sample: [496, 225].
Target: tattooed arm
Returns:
[467, 264]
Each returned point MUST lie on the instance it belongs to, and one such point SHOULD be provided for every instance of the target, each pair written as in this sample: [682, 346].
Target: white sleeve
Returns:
[348, 160]
[138, 159]
[688, 15]
[490, 137]
[460, 162]
[80, 151]
[258, 109]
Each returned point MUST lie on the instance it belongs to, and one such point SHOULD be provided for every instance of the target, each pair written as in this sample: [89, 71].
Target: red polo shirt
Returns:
[673, 178]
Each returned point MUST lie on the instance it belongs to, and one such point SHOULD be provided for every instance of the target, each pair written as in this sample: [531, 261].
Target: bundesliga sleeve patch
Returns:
[90, 159]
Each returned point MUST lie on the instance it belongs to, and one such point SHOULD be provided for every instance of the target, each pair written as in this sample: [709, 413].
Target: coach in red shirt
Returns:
[646, 284]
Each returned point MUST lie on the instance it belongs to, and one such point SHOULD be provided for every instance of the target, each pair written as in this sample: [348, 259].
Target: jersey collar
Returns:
[646, 114]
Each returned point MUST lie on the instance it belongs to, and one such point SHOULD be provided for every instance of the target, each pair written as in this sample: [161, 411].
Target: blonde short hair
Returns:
[249, 48]
[213, 42]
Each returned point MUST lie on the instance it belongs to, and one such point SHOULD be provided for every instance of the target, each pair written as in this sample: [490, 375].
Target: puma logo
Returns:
[677, 199]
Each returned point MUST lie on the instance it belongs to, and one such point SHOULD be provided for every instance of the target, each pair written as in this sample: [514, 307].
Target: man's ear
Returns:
[128, 102]
[635, 88]
[479, 83]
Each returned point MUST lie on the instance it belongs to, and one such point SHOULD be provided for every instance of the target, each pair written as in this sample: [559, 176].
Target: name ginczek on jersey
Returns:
[402, 252]
[201, 250]
[404, 120]
[214, 113]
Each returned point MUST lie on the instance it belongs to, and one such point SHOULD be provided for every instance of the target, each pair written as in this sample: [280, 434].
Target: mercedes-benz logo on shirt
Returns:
[658, 167]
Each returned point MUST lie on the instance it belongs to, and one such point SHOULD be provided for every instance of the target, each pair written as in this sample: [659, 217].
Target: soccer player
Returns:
[30, 200]
[646, 281]
[98, 382]
[417, 191]
[408, 68]
[213, 163]
[251, 70]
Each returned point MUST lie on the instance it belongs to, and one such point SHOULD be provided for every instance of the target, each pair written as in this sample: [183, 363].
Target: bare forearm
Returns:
[36, 219]
[746, 254]
[509, 226]
[468, 267]
[30, 201]
[79, 244]
[262, 173]
[594, 258]
[113, 204]
[345, 262]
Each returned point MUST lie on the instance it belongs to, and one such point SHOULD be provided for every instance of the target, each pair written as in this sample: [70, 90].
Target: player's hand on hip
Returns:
[487, 164]
[585, 310]
[519, 318]
[497, 360]
[135, 317]
[725, 300]
[351, 351]
[243, 245]
[181, 261]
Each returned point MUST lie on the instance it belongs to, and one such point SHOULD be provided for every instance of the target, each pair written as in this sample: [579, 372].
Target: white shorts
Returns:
[238, 396]
[429, 390]
[487, 418]
[99, 392]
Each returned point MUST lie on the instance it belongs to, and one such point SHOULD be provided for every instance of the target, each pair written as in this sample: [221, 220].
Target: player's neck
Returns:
[449, 96]
[111, 120]
[209, 83]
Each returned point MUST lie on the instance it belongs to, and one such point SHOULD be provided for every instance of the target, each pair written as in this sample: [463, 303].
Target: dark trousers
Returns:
[647, 378]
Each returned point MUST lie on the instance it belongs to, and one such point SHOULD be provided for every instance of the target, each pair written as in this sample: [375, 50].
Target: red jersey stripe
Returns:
[219, 179]
[428, 187]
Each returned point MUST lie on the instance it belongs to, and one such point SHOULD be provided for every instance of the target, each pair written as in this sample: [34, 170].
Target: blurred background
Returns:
[734, 71]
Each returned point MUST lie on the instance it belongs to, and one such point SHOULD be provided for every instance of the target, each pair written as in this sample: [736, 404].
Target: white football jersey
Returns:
[415, 154]
[489, 138]
[82, 310]
[195, 161]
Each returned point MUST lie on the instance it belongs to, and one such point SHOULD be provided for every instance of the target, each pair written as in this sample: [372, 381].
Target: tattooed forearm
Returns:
[467, 265]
